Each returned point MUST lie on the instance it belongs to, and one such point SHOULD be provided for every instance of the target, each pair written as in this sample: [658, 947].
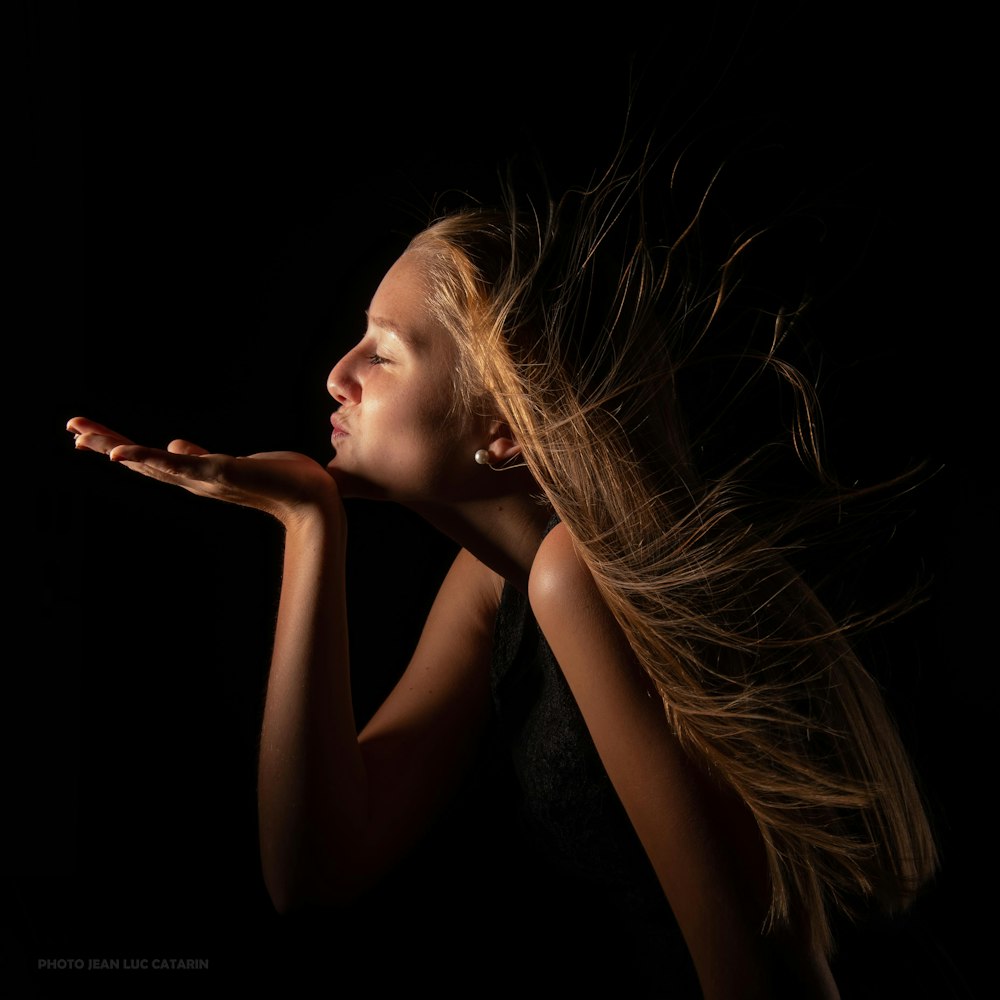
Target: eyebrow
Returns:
[385, 323]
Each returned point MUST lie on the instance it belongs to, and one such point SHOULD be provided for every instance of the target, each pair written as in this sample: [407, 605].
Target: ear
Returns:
[503, 446]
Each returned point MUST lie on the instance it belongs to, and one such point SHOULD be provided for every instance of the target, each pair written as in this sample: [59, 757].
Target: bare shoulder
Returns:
[581, 630]
[470, 590]
[449, 667]
[559, 577]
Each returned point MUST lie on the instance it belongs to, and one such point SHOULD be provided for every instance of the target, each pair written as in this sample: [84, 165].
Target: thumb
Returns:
[182, 447]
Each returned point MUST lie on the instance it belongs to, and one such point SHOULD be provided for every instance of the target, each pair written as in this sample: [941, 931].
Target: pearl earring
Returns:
[482, 457]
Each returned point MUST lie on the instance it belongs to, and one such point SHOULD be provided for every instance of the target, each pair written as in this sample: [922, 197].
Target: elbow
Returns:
[295, 889]
[310, 863]
[288, 899]
[285, 898]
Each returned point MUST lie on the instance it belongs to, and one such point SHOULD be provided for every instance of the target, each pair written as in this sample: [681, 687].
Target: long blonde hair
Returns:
[575, 324]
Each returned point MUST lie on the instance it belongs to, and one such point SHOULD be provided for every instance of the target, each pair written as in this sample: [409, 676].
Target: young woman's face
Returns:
[395, 433]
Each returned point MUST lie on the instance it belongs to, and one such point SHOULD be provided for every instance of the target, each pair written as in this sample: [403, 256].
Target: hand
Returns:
[282, 483]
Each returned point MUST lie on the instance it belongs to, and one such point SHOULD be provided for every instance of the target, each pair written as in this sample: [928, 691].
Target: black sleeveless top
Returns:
[592, 873]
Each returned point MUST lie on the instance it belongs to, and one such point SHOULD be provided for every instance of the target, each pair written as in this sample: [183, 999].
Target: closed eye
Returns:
[377, 359]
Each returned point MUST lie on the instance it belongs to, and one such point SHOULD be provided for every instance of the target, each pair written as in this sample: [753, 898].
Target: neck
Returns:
[503, 530]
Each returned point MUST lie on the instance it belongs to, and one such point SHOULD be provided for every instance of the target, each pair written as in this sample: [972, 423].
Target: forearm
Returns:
[314, 799]
[312, 793]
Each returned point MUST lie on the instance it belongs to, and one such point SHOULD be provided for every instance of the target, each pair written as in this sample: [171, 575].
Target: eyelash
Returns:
[377, 359]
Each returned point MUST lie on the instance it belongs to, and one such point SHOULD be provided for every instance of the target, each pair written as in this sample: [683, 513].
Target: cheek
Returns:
[443, 437]
[401, 433]
[440, 445]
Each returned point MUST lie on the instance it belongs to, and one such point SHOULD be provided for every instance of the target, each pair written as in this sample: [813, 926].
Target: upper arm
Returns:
[423, 738]
[701, 841]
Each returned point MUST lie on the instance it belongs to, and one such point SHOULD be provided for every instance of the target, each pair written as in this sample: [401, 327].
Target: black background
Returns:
[208, 199]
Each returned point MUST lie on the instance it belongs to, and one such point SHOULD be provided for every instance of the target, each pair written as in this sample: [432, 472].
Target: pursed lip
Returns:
[339, 430]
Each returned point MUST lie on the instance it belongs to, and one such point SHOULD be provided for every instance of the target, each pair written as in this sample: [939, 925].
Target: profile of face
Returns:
[396, 433]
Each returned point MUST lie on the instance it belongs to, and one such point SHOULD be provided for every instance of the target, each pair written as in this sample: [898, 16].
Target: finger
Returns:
[182, 447]
[81, 425]
[101, 443]
[167, 462]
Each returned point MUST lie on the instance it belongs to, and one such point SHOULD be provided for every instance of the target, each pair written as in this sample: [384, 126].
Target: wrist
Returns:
[322, 517]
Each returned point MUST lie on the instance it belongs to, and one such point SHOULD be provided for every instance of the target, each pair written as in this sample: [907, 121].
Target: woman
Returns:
[687, 724]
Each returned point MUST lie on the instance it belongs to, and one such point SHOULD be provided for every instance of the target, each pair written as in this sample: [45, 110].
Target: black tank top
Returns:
[580, 845]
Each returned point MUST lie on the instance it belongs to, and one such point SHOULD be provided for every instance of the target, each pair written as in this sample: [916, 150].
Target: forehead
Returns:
[401, 305]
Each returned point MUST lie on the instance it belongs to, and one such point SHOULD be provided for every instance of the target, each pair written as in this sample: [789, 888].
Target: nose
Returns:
[341, 383]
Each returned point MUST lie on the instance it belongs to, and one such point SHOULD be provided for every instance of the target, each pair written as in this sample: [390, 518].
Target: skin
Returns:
[338, 807]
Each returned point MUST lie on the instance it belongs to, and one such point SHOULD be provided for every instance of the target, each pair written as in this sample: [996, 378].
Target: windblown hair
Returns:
[576, 325]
